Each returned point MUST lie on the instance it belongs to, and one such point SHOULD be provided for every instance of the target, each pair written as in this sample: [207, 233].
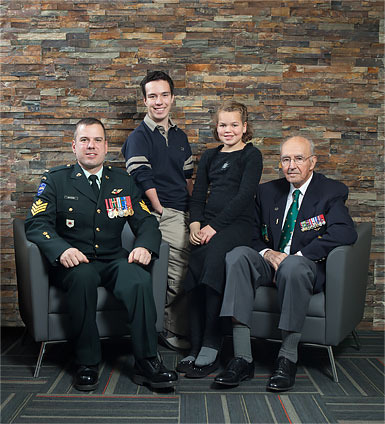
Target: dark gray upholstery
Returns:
[43, 307]
[334, 313]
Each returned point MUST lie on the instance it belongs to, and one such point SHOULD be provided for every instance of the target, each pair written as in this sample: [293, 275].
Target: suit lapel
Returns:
[306, 210]
[278, 211]
[105, 186]
[81, 184]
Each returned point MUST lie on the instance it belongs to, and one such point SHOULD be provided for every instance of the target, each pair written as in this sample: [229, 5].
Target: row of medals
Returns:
[114, 213]
[121, 206]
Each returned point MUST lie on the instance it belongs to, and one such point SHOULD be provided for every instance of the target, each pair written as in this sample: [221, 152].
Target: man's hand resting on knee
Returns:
[139, 255]
[72, 257]
[274, 258]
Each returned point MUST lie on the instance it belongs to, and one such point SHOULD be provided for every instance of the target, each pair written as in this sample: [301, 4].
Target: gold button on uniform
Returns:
[96, 246]
[70, 209]
[97, 229]
[98, 211]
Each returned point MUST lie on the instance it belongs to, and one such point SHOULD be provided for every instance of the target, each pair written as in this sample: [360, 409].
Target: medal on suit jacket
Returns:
[265, 234]
[314, 223]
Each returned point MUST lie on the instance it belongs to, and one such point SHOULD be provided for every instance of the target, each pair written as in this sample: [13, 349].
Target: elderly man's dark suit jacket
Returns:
[66, 213]
[323, 196]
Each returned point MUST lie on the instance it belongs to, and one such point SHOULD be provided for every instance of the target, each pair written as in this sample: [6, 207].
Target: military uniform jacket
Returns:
[65, 213]
[323, 220]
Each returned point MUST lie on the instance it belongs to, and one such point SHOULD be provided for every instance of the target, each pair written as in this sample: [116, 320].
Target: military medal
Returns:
[110, 210]
[314, 223]
[129, 205]
[124, 204]
[114, 207]
[120, 207]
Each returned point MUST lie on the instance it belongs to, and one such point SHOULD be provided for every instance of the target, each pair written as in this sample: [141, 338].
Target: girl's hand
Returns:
[194, 233]
[206, 233]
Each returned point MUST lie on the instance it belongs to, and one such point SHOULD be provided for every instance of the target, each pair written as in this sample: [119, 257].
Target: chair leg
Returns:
[39, 359]
[356, 339]
[332, 363]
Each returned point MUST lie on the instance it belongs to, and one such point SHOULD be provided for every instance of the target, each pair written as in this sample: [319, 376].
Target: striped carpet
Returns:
[51, 398]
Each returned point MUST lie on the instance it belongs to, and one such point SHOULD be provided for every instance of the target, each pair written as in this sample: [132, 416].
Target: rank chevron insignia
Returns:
[38, 207]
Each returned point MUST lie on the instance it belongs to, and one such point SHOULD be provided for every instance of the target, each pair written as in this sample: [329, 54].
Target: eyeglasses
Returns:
[298, 160]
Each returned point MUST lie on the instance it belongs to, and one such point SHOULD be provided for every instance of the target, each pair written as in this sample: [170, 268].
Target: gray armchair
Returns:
[334, 313]
[43, 307]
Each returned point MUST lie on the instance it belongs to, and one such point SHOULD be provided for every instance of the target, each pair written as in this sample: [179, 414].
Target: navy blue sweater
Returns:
[156, 163]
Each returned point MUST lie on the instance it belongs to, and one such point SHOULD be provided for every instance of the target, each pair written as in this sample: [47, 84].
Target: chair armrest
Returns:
[32, 283]
[159, 273]
[345, 290]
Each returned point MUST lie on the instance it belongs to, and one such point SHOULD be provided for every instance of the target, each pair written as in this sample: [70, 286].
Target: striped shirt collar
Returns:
[152, 124]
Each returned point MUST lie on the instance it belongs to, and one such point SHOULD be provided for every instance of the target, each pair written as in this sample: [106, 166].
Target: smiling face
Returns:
[298, 148]
[158, 101]
[90, 147]
[230, 129]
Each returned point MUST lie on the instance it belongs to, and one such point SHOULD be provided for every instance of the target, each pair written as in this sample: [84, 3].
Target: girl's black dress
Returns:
[223, 197]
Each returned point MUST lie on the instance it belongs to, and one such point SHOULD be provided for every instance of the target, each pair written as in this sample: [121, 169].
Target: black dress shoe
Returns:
[283, 377]
[202, 372]
[152, 372]
[236, 371]
[185, 366]
[87, 378]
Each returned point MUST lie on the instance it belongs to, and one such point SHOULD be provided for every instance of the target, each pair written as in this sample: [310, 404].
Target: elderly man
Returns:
[76, 220]
[300, 219]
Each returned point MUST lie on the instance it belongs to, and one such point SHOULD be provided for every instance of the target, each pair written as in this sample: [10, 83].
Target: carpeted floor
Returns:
[357, 398]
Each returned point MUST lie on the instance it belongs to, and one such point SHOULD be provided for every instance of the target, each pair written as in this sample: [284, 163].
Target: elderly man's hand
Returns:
[274, 258]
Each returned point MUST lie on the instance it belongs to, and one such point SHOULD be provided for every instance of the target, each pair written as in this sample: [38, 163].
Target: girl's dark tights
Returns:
[205, 326]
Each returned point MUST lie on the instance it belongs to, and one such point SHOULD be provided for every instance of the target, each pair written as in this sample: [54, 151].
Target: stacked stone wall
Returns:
[304, 66]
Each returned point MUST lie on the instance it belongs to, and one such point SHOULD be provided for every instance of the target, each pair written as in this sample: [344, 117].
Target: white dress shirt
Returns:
[289, 201]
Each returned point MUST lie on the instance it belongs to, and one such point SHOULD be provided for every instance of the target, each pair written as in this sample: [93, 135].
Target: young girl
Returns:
[222, 215]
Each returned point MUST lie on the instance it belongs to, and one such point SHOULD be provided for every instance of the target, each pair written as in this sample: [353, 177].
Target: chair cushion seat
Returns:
[106, 301]
[266, 300]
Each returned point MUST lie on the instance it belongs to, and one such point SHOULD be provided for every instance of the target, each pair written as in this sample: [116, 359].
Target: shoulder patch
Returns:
[41, 188]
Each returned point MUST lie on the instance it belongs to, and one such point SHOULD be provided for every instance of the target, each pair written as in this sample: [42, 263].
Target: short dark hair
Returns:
[89, 121]
[232, 106]
[155, 76]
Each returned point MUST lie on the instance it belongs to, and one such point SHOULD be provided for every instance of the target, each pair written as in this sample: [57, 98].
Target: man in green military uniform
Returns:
[76, 220]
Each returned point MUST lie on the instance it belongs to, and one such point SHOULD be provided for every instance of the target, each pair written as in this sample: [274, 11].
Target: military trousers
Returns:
[246, 270]
[130, 283]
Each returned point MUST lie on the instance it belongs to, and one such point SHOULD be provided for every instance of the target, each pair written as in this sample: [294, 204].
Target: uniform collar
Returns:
[98, 174]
